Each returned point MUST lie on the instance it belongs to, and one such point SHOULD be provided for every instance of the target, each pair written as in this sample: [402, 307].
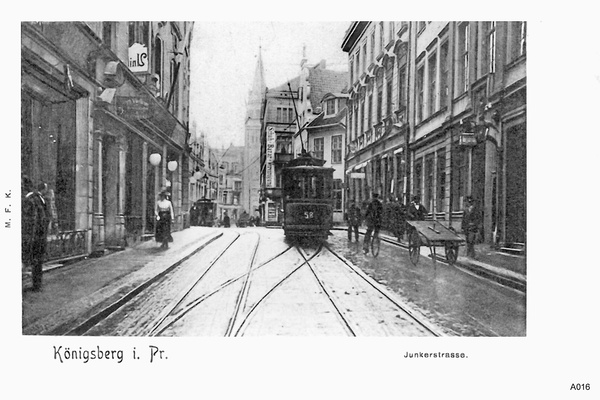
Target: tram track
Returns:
[232, 285]
[169, 310]
[278, 284]
[97, 317]
[405, 309]
[176, 315]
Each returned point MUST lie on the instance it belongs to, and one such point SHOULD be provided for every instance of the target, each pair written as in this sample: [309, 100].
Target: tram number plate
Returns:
[309, 214]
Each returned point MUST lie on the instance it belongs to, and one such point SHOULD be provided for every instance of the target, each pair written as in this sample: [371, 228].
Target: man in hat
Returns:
[373, 220]
[353, 220]
[416, 211]
[471, 224]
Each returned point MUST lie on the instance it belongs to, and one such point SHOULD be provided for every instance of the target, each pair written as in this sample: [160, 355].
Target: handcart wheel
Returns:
[451, 252]
[414, 246]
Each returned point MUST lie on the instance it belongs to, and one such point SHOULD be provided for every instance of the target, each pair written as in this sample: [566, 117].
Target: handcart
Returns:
[432, 234]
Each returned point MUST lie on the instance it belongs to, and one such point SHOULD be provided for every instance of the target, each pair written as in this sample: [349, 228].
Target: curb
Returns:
[105, 312]
[73, 325]
[499, 275]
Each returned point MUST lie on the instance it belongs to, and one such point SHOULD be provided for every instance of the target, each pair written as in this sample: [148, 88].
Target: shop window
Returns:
[418, 178]
[441, 180]
[459, 178]
[48, 146]
[429, 181]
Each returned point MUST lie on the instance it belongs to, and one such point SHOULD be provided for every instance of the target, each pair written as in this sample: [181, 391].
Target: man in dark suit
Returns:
[373, 220]
[35, 219]
[353, 220]
[471, 224]
[416, 211]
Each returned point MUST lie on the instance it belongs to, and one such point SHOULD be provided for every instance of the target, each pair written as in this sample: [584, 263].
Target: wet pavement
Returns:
[453, 298]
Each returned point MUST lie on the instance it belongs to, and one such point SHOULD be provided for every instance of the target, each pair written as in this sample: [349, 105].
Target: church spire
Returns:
[258, 85]
[258, 88]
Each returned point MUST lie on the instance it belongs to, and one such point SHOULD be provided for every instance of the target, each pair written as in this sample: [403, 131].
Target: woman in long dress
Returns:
[164, 216]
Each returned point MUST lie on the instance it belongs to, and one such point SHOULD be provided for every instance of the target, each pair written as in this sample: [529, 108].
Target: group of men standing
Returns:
[415, 211]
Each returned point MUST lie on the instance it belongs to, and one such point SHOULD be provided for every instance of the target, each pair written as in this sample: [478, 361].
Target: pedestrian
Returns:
[35, 220]
[226, 221]
[399, 219]
[373, 220]
[471, 224]
[354, 220]
[416, 211]
[194, 214]
[164, 216]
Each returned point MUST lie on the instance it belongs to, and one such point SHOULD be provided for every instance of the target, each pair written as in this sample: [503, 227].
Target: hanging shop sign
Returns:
[467, 139]
[271, 212]
[357, 175]
[271, 141]
[134, 106]
[138, 58]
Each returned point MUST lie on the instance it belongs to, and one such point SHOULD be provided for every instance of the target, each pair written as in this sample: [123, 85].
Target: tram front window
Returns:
[306, 187]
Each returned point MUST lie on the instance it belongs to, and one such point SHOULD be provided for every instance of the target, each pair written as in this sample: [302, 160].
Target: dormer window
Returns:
[330, 107]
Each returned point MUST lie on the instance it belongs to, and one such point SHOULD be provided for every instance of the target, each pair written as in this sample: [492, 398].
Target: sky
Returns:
[223, 62]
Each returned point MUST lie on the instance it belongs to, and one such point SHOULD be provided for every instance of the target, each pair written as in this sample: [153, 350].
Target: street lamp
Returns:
[204, 184]
[155, 159]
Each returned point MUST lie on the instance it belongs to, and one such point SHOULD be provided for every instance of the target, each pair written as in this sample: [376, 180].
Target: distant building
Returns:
[300, 97]
[438, 109]
[229, 175]
[105, 113]
[250, 196]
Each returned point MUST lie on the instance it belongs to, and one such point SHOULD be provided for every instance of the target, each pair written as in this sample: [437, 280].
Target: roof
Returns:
[321, 120]
[294, 83]
[324, 81]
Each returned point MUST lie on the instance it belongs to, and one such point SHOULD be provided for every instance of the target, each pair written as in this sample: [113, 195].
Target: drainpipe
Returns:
[409, 115]
[451, 40]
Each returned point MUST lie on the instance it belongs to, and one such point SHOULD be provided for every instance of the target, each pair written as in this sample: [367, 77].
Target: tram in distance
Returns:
[307, 198]
[203, 214]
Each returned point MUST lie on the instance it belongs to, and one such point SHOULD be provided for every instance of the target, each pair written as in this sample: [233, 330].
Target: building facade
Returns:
[229, 174]
[456, 116]
[104, 110]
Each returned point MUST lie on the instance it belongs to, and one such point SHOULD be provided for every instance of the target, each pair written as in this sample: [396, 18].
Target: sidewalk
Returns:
[508, 269]
[74, 293]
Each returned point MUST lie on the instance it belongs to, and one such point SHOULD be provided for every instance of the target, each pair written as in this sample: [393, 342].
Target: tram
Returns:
[307, 198]
[204, 213]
